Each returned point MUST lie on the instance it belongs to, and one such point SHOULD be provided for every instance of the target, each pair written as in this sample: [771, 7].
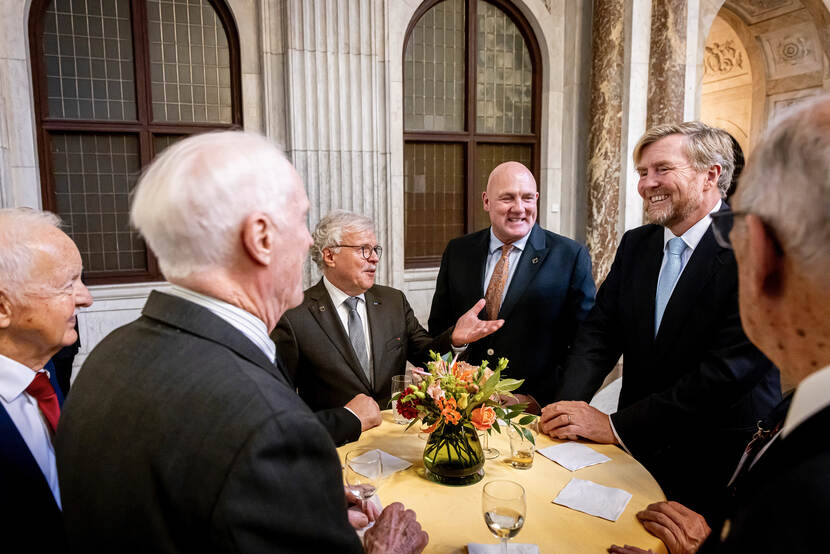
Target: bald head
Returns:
[510, 199]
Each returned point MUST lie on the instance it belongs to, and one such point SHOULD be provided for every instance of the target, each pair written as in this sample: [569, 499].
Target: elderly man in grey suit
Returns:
[181, 434]
[347, 339]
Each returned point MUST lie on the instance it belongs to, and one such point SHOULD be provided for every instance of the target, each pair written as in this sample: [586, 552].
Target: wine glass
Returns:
[489, 453]
[363, 471]
[503, 504]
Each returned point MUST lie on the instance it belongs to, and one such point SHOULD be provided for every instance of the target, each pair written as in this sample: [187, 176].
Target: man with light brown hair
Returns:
[693, 386]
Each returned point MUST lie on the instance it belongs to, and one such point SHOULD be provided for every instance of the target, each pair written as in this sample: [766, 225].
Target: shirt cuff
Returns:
[459, 349]
[354, 414]
[617, 435]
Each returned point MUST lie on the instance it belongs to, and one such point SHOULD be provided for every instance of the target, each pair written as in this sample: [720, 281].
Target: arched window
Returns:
[115, 82]
[472, 85]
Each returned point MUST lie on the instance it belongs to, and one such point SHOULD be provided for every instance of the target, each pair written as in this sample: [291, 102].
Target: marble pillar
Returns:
[667, 69]
[605, 138]
[336, 99]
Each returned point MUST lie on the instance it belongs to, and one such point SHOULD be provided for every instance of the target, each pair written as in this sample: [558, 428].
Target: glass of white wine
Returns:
[503, 505]
[363, 471]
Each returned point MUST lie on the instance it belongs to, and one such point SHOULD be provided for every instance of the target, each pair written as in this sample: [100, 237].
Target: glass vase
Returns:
[453, 455]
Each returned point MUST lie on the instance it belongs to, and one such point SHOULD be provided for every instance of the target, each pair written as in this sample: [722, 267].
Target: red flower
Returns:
[409, 408]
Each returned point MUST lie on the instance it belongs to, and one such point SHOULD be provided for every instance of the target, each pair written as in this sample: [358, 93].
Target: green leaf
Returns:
[528, 435]
[507, 385]
[496, 426]
[527, 419]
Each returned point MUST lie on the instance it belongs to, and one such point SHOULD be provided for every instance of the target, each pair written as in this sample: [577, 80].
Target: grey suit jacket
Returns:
[320, 360]
[180, 436]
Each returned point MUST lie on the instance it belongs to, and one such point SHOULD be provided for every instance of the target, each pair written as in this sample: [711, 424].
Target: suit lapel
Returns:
[18, 458]
[530, 261]
[704, 262]
[323, 311]
[379, 323]
[647, 282]
[200, 321]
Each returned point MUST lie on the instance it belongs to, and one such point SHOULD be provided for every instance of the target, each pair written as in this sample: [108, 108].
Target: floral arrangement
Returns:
[452, 392]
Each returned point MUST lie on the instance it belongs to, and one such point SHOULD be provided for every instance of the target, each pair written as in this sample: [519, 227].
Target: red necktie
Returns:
[41, 389]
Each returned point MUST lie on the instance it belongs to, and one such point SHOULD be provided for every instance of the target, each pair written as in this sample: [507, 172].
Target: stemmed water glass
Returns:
[503, 505]
[363, 471]
[489, 453]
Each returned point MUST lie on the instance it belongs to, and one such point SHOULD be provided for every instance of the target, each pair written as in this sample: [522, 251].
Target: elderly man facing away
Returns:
[40, 294]
[350, 336]
[181, 433]
[779, 496]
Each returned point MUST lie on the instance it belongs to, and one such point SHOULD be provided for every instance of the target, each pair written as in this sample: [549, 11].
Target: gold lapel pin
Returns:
[535, 260]
[322, 308]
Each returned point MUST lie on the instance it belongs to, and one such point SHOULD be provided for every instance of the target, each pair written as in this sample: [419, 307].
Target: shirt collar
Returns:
[810, 398]
[15, 377]
[693, 235]
[245, 322]
[338, 296]
[519, 245]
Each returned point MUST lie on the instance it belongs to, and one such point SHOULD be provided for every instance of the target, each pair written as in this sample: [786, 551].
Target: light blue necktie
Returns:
[669, 275]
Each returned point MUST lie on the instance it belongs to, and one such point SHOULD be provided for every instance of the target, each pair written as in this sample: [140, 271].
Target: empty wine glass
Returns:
[503, 505]
[363, 470]
[489, 453]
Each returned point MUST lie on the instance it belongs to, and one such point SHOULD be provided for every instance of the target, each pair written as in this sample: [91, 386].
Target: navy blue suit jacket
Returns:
[692, 394]
[28, 508]
[552, 290]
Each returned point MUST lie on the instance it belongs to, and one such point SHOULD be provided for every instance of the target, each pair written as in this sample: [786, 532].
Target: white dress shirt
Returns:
[338, 299]
[26, 416]
[245, 322]
[493, 255]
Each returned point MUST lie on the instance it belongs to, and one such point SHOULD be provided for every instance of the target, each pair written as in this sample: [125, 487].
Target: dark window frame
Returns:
[143, 127]
[468, 138]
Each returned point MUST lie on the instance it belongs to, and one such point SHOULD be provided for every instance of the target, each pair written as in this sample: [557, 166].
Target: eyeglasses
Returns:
[722, 224]
[365, 249]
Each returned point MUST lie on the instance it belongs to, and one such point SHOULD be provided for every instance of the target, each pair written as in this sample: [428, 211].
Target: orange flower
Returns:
[448, 410]
[483, 417]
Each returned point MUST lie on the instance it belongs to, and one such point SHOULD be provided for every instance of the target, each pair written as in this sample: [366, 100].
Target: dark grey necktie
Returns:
[356, 336]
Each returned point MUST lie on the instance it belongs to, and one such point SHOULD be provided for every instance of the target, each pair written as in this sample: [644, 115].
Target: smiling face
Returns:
[347, 269]
[674, 193]
[510, 199]
[42, 320]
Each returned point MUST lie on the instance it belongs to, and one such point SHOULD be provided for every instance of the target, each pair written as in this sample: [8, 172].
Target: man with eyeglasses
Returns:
[347, 339]
[693, 385]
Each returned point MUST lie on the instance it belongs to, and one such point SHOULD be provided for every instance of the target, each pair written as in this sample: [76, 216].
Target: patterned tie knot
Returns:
[676, 246]
[351, 302]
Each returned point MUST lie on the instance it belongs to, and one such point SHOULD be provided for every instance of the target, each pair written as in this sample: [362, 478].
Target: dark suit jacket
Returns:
[181, 436]
[691, 395]
[320, 360]
[551, 292]
[783, 502]
[28, 510]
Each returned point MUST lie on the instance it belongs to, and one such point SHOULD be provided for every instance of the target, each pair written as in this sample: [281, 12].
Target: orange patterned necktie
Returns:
[497, 282]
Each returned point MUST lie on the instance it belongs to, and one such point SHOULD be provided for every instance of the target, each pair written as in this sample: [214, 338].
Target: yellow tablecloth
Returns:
[452, 515]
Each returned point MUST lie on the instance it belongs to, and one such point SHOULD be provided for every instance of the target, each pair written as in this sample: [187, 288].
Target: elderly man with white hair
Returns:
[779, 497]
[40, 294]
[181, 433]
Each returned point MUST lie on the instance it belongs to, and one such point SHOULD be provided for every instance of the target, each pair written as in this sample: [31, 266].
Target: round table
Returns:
[452, 515]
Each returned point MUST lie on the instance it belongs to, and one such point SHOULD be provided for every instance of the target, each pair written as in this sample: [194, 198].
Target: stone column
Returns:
[605, 133]
[335, 73]
[667, 69]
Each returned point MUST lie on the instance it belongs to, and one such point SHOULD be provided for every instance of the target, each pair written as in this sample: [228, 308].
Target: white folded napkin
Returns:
[512, 548]
[593, 499]
[391, 464]
[573, 455]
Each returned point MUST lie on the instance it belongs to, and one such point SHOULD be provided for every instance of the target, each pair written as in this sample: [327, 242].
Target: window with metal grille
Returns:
[472, 75]
[115, 82]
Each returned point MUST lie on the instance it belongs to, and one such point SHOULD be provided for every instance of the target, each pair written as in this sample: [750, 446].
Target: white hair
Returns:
[329, 232]
[17, 249]
[787, 184]
[191, 202]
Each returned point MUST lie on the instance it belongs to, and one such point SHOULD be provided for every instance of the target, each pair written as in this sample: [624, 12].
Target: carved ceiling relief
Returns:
[722, 59]
[753, 11]
[792, 49]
